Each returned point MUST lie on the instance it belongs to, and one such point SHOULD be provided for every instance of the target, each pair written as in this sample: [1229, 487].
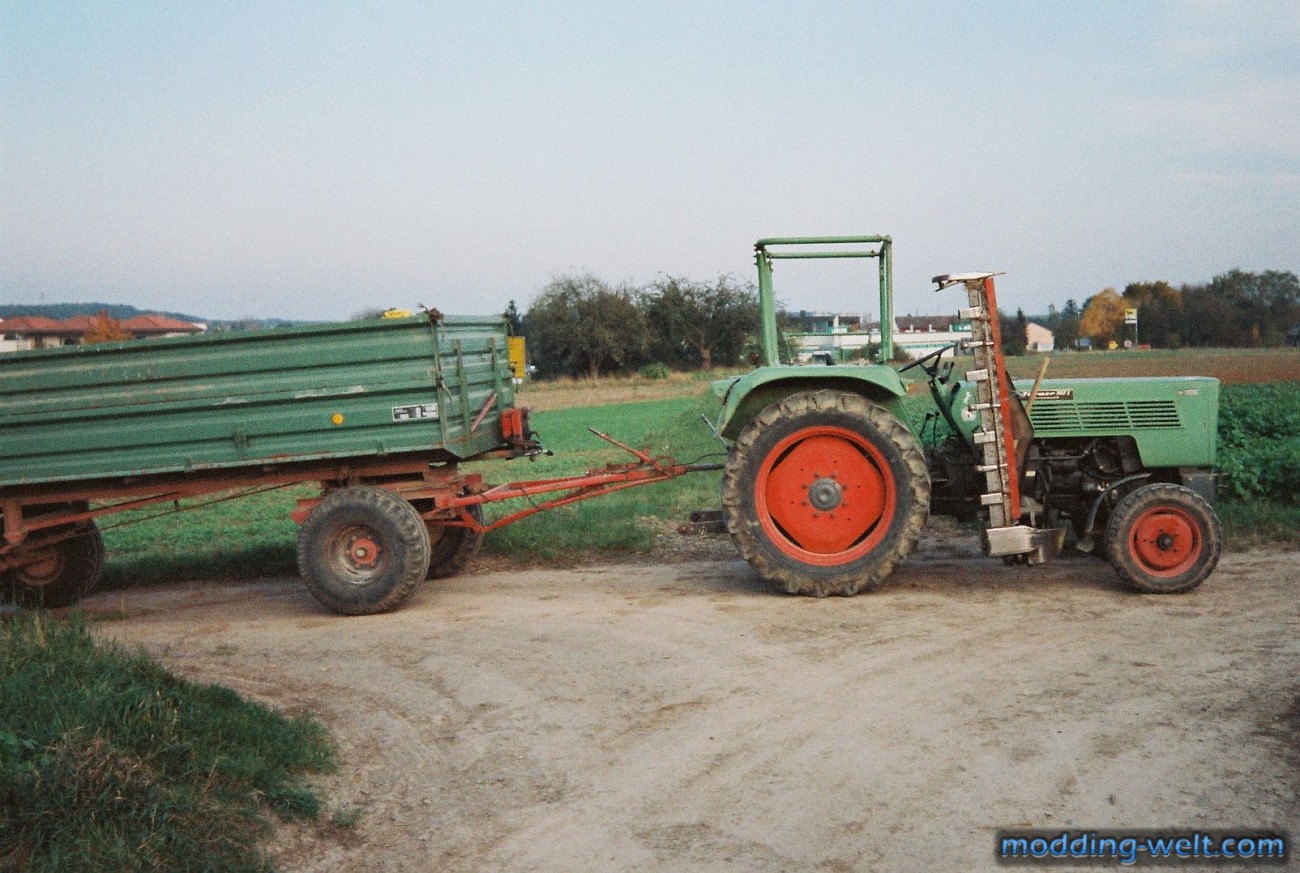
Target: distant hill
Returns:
[61, 311]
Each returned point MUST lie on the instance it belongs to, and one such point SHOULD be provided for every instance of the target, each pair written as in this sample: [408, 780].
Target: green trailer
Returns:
[380, 413]
[383, 388]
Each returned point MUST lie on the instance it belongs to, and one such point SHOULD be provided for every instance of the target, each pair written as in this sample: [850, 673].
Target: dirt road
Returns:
[684, 717]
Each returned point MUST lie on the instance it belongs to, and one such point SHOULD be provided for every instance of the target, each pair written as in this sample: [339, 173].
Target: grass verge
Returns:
[1264, 522]
[109, 762]
[248, 538]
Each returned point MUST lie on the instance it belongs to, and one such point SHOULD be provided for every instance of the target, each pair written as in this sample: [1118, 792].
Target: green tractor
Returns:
[833, 470]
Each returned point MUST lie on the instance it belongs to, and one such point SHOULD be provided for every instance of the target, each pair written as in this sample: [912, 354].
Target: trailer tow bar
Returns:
[594, 483]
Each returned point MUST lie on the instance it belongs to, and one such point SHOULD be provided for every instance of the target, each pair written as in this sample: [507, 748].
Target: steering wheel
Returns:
[936, 355]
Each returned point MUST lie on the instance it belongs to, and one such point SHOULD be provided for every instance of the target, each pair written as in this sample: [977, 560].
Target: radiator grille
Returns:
[1104, 417]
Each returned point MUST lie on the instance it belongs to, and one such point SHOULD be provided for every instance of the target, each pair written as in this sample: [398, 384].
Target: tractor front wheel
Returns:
[825, 493]
[1163, 539]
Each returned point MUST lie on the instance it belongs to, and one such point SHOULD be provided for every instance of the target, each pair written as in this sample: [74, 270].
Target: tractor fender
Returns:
[746, 396]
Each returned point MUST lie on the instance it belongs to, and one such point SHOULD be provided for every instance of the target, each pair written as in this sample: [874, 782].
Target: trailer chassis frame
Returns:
[43, 516]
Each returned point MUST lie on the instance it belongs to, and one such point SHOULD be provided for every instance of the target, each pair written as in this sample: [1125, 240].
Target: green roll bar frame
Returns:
[884, 253]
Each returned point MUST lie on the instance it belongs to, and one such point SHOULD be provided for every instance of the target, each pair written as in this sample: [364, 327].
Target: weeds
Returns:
[109, 762]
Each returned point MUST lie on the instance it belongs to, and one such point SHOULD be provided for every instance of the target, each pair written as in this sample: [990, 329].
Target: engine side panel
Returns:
[1173, 420]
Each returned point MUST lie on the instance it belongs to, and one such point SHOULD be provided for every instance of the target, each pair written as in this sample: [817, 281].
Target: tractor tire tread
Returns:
[1139, 500]
[450, 553]
[747, 532]
[83, 565]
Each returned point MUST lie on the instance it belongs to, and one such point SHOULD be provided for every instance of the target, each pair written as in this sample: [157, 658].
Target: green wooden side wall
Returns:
[251, 398]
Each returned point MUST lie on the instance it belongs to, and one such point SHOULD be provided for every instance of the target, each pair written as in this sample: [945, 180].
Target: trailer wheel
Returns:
[1164, 539]
[65, 572]
[452, 548]
[825, 492]
[363, 551]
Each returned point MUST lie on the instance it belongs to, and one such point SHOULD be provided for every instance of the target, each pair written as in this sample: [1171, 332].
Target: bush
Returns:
[656, 370]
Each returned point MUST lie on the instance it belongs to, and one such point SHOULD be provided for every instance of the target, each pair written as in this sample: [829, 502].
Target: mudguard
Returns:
[744, 397]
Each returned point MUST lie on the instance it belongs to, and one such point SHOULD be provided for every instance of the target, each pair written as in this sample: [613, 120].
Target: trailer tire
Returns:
[788, 517]
[452, 548]
[363, 551]
[1164, 539]
[68, 571]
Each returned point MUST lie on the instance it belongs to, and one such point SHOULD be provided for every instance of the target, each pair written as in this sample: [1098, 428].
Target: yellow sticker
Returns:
[337, 418]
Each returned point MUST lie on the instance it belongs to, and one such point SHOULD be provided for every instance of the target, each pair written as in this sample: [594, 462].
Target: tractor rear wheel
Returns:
[825, 492]
[452, 548]
[1163, 539]
[363, 551]
[61, 574]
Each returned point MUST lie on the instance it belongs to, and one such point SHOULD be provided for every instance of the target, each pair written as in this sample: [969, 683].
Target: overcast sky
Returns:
[308, 160]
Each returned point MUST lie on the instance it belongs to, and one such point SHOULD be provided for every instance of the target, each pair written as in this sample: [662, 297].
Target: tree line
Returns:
[581, 325]
[1236, 308]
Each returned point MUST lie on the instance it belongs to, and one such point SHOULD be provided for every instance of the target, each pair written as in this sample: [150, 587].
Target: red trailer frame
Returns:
[41, 520]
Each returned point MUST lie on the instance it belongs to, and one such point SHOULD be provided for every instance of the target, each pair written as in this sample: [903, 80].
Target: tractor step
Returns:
[1038, 544]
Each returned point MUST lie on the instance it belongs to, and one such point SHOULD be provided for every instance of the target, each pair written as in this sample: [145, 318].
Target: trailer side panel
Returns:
[356, 389]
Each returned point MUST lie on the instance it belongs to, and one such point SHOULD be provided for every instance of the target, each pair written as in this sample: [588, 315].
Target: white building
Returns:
[915, 335]
[1040, 338]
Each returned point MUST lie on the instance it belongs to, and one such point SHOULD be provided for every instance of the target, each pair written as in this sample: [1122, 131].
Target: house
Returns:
[25, 332]
[142, 326]
[839, 337]
[35, 332]
[805, 321]
[919, 335]
[1040, 338]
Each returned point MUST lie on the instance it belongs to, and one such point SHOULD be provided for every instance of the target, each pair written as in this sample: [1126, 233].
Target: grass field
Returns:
[570, 393]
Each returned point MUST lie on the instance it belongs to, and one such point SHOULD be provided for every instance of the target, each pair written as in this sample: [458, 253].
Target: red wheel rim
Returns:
[1165, 541]
[357, 554]
[41, 571]
[825, 495]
